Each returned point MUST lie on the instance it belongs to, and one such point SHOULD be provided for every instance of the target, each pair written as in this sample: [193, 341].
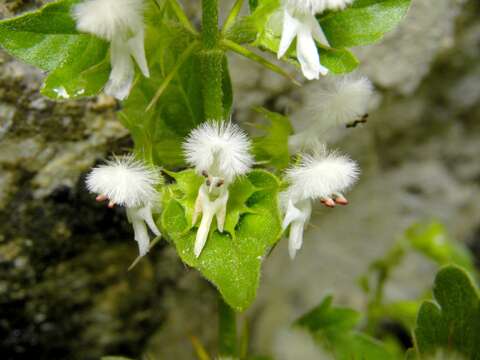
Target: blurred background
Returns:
[65, 292]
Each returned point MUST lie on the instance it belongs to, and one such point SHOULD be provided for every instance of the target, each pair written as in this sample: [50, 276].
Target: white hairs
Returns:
[316, 6]
[220, 148]
[341, 100]
[320, 175]
[108, 18]
[125, 181]
[121, 23]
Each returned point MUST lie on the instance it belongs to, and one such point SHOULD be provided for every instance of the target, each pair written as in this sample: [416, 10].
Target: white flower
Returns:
[128, 182]
[299, 21]
[220, 152]
[322, 176]
[221, 149]
[338, 101]
[121, 23]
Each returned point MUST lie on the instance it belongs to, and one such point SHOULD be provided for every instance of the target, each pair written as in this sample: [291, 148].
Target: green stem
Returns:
[239, 49]
[227, 329]
[232, 16]
[211, 63]
[210, 33]
[181, 16]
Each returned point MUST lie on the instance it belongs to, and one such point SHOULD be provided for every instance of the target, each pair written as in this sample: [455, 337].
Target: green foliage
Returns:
[47, 38]
[335, 329]
[163, 109]
[363, 23]
[232, 260]
[272, 148]
[432, 241]
[452, 322]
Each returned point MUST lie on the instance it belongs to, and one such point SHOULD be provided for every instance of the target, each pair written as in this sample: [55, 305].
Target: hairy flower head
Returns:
[316, 6]
[121, 23]
[125, 181]
[342, 99]
[221, 149]
[107, 18]
[320, 175]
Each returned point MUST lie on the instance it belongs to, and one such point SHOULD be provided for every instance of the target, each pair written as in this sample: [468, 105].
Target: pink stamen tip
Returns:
[341, 201]
[328, 202]
[111, 204]
[100, 198]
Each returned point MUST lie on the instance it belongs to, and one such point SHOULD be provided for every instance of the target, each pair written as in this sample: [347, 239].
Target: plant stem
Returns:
[211, 62]
[227, 329]
[210, 32]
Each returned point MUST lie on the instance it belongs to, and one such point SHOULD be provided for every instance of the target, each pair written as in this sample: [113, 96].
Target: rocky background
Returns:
[65, 292]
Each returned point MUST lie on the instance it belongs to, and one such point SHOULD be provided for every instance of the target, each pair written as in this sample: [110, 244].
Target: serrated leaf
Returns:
[452, 322]
[334, 329]
[365, 22]
[272, 147]
[47, 38]
[231, 263]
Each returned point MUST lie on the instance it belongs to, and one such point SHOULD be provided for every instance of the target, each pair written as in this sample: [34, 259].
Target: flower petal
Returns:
[121, 76]
[316, 30]
[137, 50]
[141, 236]
[292, 214]
[146, 214]
[295, 240]
[307, 53]
[290, 28]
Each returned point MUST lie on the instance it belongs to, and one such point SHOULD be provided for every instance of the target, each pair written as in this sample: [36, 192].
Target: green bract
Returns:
[232, 260]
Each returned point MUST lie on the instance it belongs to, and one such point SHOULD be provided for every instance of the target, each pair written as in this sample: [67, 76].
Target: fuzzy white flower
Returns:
[219, 148]
[322, 176]
[339, 101]
[128, 182]
[299, 22]
[220, 152]
[121, 23]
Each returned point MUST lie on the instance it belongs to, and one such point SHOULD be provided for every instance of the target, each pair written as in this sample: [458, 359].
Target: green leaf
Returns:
[80, 75]
[47, 38]
[452, 322]
[334, 329]
[232, 260]
[272, 147]
[365, 22]
[159, 132]
[267, 21]
[432, 241]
